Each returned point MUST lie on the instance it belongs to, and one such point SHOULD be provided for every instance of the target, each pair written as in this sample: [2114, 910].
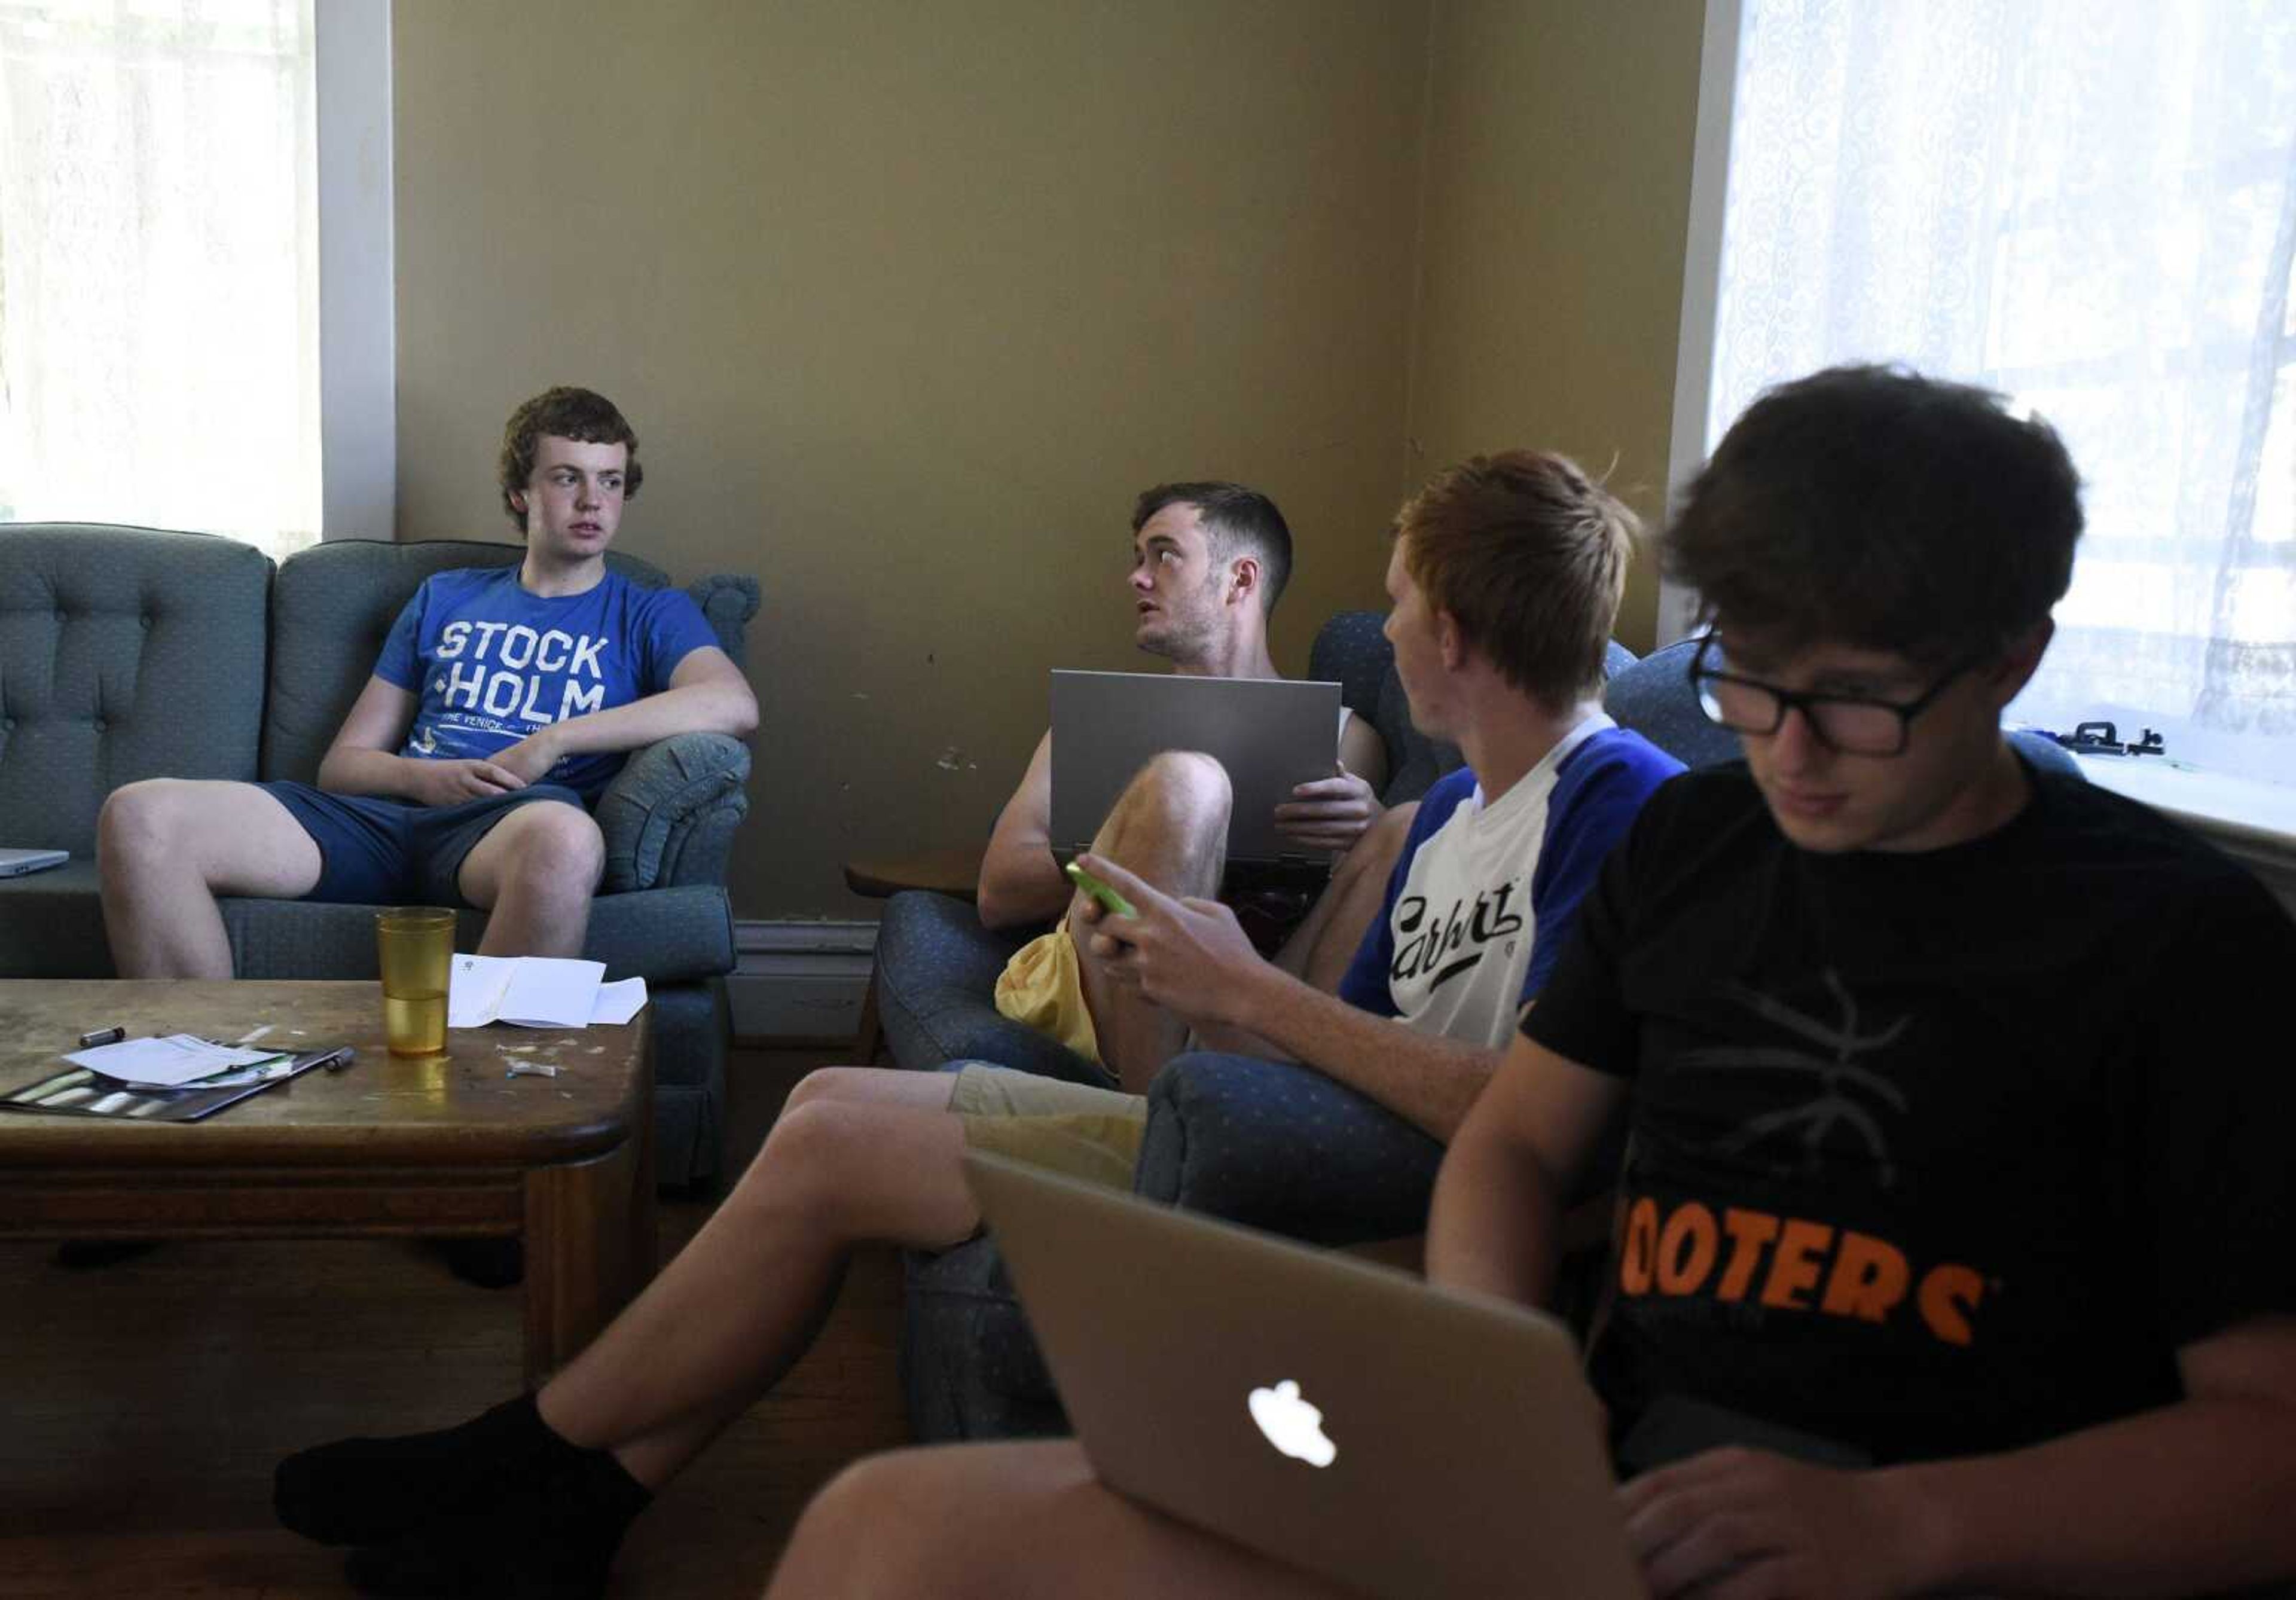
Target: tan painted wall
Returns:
[905, 302]
[1555, 204]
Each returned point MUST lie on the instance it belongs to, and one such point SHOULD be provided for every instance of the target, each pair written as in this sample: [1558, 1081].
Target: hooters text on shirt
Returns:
[1792, 1264]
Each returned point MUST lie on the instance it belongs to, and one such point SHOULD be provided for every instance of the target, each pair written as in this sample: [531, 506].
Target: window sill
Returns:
[2254, 823]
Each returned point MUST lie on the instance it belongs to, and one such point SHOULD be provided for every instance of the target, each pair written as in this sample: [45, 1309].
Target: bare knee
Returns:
[559, 852]
[145, 829]
[807, 1163]
[1170, 824]
[825, 1083]
[863, 1535]
[140, 823]
[1184, 783]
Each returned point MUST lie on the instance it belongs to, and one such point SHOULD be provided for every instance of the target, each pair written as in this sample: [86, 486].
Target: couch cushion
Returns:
[52, 924]
[1654, 699]
[124, 653]
[333, 605]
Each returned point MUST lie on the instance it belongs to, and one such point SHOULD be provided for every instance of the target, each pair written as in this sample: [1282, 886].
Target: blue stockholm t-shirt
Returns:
[1481, 902]
[490, 663]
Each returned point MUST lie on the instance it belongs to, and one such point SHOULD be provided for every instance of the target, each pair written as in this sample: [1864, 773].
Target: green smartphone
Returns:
[1110, 900]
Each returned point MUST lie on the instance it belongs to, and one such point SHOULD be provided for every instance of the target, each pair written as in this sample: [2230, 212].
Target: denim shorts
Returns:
[376, 851]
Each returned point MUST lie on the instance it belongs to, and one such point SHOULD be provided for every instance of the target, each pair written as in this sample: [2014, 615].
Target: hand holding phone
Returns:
[1110, 900]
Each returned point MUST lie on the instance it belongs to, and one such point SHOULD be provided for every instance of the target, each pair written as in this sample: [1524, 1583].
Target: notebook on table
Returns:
[1270, 735]
[1334, 1415]
[16, 863]
[74, 1091]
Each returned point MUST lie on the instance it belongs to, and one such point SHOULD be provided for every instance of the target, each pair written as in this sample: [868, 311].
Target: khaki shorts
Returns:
[1041, 988]
[1085, 1132]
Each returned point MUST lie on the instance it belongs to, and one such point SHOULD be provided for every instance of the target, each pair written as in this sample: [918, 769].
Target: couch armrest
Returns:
[1280, 1146]
[935, 977]
[668, 817]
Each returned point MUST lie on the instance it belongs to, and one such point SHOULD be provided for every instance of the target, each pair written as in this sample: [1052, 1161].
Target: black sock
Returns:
[553, 1537]
[364, 1491]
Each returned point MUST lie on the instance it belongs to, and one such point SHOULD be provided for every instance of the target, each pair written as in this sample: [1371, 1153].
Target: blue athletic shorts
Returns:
[375, 852]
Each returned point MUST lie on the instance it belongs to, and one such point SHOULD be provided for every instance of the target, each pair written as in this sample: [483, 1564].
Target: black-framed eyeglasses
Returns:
[1854, 725]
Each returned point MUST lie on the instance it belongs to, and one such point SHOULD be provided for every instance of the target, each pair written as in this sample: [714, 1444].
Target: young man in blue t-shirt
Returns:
[503, 701]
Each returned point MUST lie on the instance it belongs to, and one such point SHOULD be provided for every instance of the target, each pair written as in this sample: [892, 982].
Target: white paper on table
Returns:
[535, 991]
[617, 1003]
[167, 1063]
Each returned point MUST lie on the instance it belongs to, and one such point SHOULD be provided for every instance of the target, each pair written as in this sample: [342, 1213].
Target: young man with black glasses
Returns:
[1954, 1250]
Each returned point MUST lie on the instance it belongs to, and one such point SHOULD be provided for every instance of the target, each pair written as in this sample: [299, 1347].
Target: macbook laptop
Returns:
[1270, 734]
[1336, 1415]
[15, 863]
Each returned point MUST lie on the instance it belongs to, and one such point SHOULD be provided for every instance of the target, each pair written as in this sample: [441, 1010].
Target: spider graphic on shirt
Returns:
[1832, 1068]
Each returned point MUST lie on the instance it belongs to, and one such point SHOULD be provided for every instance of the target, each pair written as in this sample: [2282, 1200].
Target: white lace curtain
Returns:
[2089, 205]
[159, 265]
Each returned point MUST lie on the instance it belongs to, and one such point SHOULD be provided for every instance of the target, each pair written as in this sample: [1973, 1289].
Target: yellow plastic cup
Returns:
[416, 948]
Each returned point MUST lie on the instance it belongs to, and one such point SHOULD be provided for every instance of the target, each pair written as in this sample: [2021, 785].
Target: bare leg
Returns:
[858, 1154]
[1321, 948]
[535, 871]
[1169, 827]
[1008, 1521]
[167, 846]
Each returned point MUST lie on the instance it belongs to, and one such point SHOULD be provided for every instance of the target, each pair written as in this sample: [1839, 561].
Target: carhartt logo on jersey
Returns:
[1449, 945]
[1792, 1264]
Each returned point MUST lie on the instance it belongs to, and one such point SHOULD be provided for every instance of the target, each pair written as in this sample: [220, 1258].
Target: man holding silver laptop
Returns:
[1506, 576]
[1208, 562]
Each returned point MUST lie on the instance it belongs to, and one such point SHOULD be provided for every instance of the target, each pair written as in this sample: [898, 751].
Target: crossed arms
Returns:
[707, 693]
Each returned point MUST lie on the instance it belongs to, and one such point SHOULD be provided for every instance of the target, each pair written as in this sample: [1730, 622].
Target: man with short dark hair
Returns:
[1951, 1149]
[1208, 562]
[540, 1487]
[503, 701]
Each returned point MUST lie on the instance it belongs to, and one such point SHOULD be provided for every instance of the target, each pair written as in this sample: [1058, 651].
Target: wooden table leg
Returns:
[870, 1036]
[644, 1225]
[582, 1260]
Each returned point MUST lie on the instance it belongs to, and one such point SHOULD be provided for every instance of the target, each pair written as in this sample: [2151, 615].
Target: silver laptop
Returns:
[15, 863]
[1270, 734]
[1336, 1415]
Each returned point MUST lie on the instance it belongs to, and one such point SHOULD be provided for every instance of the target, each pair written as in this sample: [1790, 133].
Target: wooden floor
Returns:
[142, 1405]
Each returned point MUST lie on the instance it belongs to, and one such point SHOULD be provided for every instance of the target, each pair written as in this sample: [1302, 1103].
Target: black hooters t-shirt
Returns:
[1932, 1154]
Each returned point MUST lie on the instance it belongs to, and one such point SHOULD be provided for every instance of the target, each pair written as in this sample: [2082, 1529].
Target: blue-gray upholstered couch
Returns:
[129, 654]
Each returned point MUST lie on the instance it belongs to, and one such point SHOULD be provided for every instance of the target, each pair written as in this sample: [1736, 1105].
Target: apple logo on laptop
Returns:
[1292, 1424]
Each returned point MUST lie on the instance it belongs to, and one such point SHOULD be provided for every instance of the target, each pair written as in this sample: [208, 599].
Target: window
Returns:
[2093, 210]
[165, 170]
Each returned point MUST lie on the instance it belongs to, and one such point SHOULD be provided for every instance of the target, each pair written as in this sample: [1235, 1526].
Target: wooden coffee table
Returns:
[441, 1146]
